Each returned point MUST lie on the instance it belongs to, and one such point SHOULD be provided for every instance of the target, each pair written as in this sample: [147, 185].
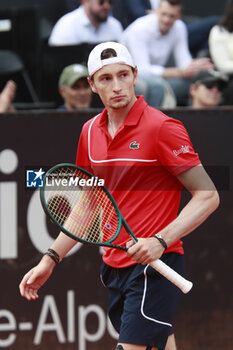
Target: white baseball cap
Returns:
[122, 56]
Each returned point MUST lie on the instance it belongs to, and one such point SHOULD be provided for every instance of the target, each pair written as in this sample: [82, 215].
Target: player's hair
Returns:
[108, 53]
[119, 347]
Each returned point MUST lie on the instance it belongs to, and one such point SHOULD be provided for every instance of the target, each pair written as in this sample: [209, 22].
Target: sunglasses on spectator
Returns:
[102, 2]
[211, 84]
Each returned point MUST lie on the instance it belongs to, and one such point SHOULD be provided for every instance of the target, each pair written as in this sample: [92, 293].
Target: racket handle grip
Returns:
[172, 275]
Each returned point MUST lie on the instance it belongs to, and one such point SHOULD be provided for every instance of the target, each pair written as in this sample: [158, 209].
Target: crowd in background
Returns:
[181, 62]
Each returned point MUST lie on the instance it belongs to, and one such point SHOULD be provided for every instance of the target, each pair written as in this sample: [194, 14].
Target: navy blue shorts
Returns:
[142, 303]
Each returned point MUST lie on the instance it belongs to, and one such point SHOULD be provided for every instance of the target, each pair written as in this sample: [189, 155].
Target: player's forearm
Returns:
[202, 204]
[62, 245]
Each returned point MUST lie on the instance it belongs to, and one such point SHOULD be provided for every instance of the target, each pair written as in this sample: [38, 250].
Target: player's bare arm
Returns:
[204, 201]
[37, 276]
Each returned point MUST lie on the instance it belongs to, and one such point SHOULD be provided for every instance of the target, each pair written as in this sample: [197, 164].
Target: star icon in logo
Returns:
[39, 174]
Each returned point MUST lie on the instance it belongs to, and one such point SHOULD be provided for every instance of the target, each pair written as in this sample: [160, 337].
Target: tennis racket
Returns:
[81, 206]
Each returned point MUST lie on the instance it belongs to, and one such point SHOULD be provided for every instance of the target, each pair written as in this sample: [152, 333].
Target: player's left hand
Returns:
[145, 250]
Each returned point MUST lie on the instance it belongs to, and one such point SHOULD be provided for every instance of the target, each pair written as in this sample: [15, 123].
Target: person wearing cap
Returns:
[206, 89]
[144, 157]
[74, 88]
[89, 23]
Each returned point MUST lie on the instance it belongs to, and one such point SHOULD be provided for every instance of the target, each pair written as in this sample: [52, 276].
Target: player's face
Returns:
[114, 83]
[167, 15]
[204, 97]
[98, 9]
[77, 96]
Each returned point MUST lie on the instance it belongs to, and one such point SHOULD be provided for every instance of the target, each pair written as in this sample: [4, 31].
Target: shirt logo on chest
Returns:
[134, 145]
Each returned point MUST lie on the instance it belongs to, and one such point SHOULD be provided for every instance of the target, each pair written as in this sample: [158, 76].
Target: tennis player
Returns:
[145, 158]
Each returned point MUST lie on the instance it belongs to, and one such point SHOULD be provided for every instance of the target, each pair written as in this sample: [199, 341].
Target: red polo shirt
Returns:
[139, 166]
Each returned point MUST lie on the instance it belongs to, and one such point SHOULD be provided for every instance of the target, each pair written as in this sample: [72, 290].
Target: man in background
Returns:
[74, 88]
[89, 23]
[206, 89]
[156, 38]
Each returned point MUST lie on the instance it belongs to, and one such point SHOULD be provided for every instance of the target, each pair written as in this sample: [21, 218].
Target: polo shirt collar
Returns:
[133, 115]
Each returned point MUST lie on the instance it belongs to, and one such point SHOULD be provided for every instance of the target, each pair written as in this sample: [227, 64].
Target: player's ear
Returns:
[92, 84]
[135, 73]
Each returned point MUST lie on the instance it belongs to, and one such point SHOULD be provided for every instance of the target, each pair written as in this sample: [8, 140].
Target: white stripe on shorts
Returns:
[143, 302]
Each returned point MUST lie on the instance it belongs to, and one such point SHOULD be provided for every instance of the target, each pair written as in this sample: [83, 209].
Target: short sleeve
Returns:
[82, 158]
[175, 150]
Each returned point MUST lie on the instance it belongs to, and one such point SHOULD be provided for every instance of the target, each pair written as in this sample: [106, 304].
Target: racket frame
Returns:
[121, 221]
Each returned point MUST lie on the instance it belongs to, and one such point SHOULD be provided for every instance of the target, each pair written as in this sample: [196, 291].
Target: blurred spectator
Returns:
[90, 23]
[154, 4]
[198, 29]
[206, 89]
[157, 92]
[198, 34]
[128, 11]
[7, 97]
[153, 38]
[221, 48]
[74, 88]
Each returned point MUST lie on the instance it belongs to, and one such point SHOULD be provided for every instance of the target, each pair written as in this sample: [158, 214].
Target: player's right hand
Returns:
[145, 251]
[35, 278]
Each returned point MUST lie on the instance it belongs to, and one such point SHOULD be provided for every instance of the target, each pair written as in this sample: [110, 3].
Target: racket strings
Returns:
[85, 211]
[59, 202]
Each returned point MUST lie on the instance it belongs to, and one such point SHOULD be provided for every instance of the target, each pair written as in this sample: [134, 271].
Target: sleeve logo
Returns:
[183, 149]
